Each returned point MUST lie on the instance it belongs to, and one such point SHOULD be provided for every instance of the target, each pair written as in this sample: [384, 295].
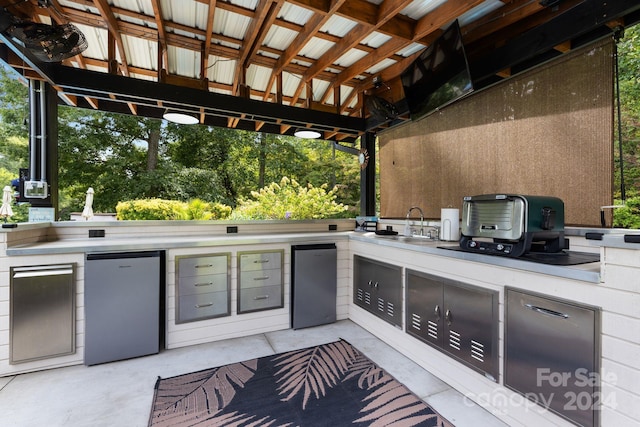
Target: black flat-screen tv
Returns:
[438, 76]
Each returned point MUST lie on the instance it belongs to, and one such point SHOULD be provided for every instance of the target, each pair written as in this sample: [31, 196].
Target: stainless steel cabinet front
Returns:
[203, 288]
[378, 289]
[459, 319]
[552, 354]
[260, 280]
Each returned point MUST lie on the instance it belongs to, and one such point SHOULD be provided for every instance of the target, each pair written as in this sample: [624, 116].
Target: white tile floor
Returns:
[119, 393]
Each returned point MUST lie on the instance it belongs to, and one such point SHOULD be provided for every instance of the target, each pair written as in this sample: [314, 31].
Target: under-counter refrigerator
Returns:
[122, 304]
[313, 284]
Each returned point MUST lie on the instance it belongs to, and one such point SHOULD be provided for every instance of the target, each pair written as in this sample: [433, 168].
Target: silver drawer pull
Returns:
[547, 311]
[204, 265]
[261, 278]
[261, 297]
[209, 304]
[204, 284]
[260, 261]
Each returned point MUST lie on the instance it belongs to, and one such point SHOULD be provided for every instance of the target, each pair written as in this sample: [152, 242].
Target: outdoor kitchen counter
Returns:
[589, 272]
[586, 272]
[120, 244]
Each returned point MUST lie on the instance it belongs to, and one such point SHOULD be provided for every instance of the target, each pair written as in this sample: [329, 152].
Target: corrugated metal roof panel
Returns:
[380, 66]
[180, 11]
[419, 8]
[345, 92]
[137, 6]
[316, 47]
[230, 24]
[258, 77]
[375, 39]
[183, 62]
[479, 11]
[247, 4]
[221, 69]
[350, 57]
[296, 14]
[96, 41]
[290, 83]
[411, 49]
[141, 53]
[319, 88]
[279, 37]
[338, 26]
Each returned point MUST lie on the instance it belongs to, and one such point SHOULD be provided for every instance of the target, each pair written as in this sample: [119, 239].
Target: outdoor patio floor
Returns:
[120, 393]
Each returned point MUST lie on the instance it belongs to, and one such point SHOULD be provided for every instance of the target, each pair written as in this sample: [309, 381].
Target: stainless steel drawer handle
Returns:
[204, 265]
[209, 304]
[204, 284]
[547, 311]
[261, 278]
[261, 297]
[260, 261]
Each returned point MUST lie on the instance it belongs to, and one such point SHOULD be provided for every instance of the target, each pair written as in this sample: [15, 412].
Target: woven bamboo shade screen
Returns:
[548, 131]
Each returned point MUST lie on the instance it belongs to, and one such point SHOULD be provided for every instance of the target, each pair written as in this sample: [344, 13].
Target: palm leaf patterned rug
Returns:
[327, 385]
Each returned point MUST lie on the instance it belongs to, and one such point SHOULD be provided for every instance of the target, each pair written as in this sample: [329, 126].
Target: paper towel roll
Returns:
[450, 224]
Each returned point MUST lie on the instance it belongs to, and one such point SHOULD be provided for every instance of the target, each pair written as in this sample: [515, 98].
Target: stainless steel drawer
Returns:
[257, 261]
[203, 306]
[203, 284]
[262, 298]
[256, 279]
[202, 265]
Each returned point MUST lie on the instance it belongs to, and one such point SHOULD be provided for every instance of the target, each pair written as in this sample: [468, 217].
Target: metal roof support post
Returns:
[368, 175]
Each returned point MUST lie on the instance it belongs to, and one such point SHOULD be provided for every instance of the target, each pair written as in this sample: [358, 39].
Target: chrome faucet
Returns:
[421, 217]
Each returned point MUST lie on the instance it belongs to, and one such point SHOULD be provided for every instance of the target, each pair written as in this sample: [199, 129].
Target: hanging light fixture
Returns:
[180, 117]
[307, 133]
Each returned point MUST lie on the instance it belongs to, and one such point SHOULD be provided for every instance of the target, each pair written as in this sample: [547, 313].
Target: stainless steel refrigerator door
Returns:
[122, 306]
[313, 285]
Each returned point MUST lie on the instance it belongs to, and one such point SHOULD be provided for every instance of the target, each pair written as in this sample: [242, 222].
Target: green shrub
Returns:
[150, 209]
[629, 215]
[198, 209]
[159, 209]
[290, 200]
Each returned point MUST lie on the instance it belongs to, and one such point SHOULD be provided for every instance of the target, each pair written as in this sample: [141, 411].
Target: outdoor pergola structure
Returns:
[279, 65]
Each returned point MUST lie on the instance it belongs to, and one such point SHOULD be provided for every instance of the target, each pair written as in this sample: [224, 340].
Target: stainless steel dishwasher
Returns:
[42, 312]
[122, 303]
[313, 284]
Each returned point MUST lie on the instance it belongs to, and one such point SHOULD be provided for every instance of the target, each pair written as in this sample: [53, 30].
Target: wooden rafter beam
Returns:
[114, 29]
[208, 34]
[162, 35]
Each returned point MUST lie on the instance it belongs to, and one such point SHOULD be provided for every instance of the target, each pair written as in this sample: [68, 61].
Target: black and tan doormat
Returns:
[327, 385]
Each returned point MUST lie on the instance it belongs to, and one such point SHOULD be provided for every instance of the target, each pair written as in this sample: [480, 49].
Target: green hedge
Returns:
[159, 209]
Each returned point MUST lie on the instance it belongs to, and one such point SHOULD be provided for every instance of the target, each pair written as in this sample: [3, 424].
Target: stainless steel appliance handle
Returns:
[437, 312]
[261, 278]
[209, 304]
[547, 311]
[204, 284]
[261, 297]
[448, 316]
[204, 265]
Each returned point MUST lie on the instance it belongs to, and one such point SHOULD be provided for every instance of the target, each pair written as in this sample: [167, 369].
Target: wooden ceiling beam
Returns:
[163, 55]
[114, 29]
[208, 34]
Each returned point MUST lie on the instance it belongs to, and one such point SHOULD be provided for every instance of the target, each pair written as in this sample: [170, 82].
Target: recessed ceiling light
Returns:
[180, 118]
[307, 133]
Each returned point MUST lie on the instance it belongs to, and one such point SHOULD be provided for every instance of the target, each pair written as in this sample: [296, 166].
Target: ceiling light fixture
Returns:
[180, 118]
[307, 133]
